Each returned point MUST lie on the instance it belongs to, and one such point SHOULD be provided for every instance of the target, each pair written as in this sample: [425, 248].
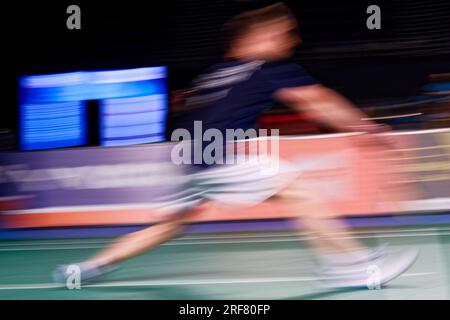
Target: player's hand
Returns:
[371, 127]
[375, 137]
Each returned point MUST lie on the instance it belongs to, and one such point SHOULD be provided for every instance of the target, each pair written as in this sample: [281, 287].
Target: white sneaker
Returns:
[353, 258]
[372, 274]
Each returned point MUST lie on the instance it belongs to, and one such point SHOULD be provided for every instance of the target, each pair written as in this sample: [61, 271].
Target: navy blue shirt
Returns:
[233, 94]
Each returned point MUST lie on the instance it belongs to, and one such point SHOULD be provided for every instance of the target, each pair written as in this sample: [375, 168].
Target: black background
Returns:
[185, 35]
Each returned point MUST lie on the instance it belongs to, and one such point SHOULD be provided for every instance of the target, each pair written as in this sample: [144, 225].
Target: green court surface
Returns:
[262, 265]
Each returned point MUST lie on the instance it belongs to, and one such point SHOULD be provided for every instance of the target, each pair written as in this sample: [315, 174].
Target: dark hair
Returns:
[241, 23]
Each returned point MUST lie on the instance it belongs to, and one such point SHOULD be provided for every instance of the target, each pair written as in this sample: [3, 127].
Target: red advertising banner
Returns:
[352, 175]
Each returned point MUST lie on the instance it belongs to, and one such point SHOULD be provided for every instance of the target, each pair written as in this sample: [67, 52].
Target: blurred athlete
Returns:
[232, 95]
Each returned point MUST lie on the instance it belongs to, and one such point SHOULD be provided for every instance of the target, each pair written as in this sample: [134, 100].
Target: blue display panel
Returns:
[133, 107]
[133, 120]
[53, 125]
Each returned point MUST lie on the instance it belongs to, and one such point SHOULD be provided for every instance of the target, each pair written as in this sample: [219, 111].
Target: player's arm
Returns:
[329, 107]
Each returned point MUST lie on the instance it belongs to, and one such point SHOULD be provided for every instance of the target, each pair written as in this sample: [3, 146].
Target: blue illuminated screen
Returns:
[132, 102]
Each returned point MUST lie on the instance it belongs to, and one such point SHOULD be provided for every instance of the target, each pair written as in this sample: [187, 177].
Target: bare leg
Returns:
[343, 261]
[135, 243]
[317, 218]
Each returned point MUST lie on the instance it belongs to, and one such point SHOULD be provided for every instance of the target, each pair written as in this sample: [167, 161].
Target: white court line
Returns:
[400, 132]
[150, 283]
[220, 237]
[184, 243]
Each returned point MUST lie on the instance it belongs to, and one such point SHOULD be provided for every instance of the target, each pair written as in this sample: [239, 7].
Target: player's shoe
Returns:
[87, 272]
[372, 274]
[353, 258]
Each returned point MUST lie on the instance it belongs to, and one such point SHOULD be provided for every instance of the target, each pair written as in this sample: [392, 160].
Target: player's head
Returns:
[270, 33]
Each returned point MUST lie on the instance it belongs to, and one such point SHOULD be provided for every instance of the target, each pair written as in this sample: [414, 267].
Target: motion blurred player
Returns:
[232, 95]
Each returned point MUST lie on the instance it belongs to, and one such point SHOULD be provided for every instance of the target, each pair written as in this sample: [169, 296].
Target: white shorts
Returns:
[236, 185]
